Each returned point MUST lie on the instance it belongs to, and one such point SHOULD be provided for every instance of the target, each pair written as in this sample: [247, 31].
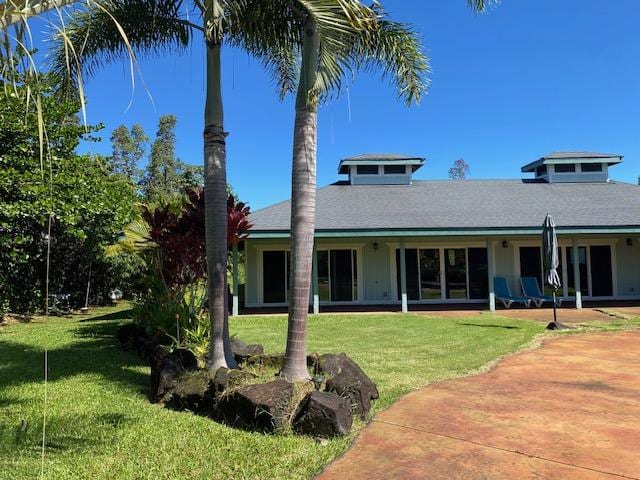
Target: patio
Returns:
[567, 410]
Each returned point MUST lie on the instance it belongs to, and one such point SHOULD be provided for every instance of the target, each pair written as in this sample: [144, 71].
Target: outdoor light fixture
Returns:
[375, 245]
[505, 244]
[629, 241]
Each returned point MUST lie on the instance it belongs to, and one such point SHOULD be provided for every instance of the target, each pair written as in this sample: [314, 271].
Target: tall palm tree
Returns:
[396, 50]
[386, 45]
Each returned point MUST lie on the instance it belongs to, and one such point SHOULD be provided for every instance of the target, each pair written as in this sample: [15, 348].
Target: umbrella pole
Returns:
[555, 318]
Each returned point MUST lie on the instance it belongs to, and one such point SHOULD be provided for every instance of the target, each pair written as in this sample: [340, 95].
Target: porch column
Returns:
[403, 279]
[234, 265]
[491, 268]
[576, 272]
[314, 281]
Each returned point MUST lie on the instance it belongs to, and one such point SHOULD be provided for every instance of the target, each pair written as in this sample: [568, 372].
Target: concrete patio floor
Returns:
[568, 410]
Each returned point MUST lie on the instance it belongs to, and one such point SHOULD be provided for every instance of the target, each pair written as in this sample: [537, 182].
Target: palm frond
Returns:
[117, 29]
[396, 50]
[339, 23]
[18, 11]
[269, 31]
[481, 5]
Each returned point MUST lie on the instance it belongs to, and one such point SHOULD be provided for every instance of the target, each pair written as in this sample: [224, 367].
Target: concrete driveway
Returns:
[568, 410]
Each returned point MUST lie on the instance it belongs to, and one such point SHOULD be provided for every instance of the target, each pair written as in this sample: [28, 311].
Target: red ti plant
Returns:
[180, 253]
[237, 221]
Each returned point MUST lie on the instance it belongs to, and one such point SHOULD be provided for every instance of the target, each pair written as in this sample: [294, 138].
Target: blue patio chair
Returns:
[501, 290]
[531, 289]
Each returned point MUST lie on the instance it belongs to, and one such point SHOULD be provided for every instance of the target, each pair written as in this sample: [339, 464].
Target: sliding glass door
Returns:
[582, 268]
[601, 271]
[337, 276]
[594, 269]
[434, 274]
[455, 260]
[275, 273]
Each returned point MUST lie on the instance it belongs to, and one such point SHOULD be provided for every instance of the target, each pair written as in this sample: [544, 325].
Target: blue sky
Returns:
[508, 86]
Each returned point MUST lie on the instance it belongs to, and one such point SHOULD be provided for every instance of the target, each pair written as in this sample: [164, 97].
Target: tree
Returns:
[459, 170]
[394, 49]
[57, 219]
[189, 176]
[161, 178]
[129, 147]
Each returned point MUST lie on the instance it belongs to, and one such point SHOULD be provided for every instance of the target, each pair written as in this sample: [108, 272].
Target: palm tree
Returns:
[389, 46]
[396, 50]
[272, 31]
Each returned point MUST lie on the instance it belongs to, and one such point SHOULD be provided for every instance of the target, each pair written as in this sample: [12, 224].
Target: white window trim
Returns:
[441, 247]
[276, 248]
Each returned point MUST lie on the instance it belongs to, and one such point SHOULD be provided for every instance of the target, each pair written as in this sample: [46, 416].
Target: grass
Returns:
[101, 426]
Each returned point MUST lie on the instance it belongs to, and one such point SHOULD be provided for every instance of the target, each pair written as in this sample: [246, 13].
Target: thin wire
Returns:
[349, 103]
[44, 413]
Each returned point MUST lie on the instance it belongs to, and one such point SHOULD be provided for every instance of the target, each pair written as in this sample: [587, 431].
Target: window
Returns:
[478, 273]
[541, 170]
[601, 274]
[531, 265]
[465, 273]
[394, 169]
[591, 167]
[582, 268]
[338, 275]
[565, 168]
[430, 287]
[411, 269]
[324, 289]
[367, 169]
[455, 261]
[274, 276]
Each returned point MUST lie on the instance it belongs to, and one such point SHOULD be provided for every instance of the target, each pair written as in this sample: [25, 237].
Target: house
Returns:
[384, 238]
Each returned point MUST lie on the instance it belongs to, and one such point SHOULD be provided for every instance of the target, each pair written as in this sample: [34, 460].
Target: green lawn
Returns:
[101, 426]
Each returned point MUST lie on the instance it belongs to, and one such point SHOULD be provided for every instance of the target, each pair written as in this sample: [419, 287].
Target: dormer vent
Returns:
[586, 167]
[380, 168]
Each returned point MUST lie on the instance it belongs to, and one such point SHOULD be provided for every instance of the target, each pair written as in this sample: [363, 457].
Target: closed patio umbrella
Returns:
[551, 263]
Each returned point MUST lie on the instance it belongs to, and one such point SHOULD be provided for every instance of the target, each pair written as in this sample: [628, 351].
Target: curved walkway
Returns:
[568, 410]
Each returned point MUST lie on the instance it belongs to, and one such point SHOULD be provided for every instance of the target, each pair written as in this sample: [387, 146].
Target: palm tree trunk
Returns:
[215, 191]
[303, 209]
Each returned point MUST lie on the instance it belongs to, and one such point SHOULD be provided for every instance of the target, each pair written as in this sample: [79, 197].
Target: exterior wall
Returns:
[505, 264]
[628, 267]
[377, 270]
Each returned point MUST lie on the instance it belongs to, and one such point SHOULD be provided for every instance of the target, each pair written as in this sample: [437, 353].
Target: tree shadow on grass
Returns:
[96, 351]
[64, 433]
[119, 315]
[507, 327]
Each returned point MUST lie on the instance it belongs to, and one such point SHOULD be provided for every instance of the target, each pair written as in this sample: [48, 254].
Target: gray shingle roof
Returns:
[442, 204]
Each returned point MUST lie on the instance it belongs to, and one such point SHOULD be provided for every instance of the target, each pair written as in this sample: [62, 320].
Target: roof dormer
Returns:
[380, 169]
[587, 167]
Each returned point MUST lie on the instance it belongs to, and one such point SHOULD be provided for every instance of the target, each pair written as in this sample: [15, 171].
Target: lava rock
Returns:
[325, 415]
[348, 380]
[192, 391]
[127, 335]
[266, 361]
[264, 407]
[242, 352]
[166, 368]
[226, 379]
[186, 358]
